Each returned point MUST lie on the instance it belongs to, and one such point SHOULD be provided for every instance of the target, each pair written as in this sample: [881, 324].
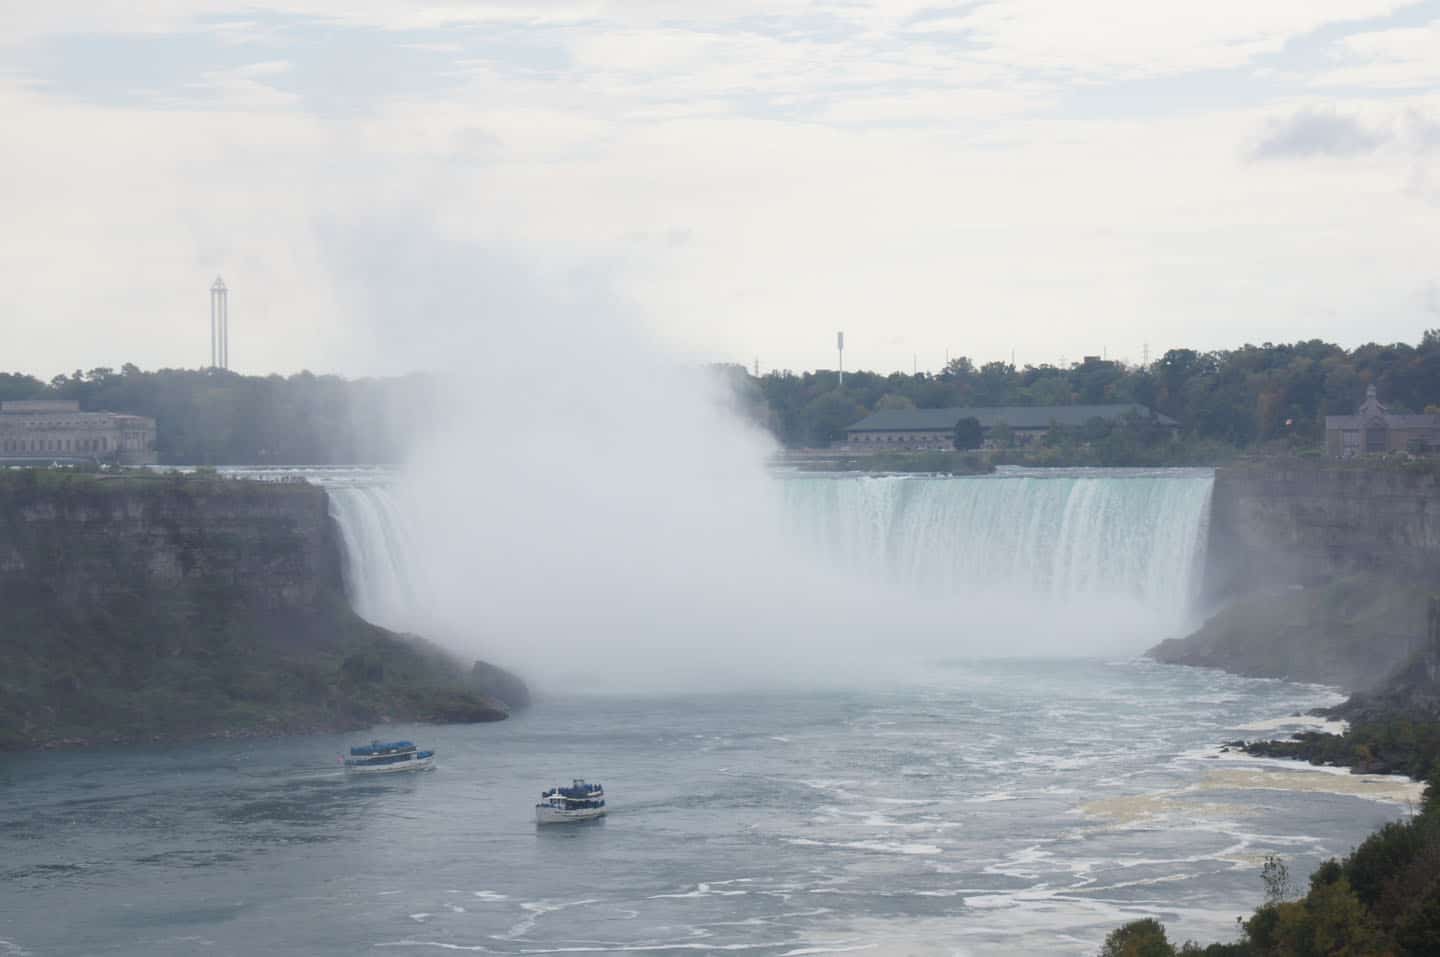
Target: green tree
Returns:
[1276, 877]
[1140, 938]
[827, 416]
[891, 400]
[968, 433]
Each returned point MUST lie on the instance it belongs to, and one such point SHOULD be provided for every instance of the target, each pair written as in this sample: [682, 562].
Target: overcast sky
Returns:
[1052, 177]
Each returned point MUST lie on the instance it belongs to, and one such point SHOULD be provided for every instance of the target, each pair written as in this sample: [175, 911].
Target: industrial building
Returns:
[55, 430]
[935, 428]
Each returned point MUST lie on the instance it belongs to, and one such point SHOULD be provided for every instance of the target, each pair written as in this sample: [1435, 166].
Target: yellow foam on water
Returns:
[1379, 787]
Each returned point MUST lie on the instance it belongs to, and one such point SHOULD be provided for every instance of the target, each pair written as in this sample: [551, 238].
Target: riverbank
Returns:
[1381, 898]
[1384, 897]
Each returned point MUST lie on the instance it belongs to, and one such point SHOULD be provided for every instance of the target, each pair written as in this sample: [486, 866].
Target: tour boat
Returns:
[581, 801]
[385, 756]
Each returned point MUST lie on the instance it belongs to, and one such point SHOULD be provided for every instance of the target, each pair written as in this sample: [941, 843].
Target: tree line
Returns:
[1238, 398]
[217, 417]
[1271, 395]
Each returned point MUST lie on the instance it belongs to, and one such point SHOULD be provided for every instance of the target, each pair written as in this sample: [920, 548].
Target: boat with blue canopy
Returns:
[581, 801]
[387, 756]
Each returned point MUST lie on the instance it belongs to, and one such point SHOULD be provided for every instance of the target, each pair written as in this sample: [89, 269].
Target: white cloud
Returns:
[1318, 132]
[245, 88]
[744, 191]
[1125, 38]
[1389, 59]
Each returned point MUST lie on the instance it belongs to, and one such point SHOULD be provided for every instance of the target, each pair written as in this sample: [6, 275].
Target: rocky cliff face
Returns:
[1319, 572]
[160, 607]
[1275, 525]
[87, 540]
[1352, 632]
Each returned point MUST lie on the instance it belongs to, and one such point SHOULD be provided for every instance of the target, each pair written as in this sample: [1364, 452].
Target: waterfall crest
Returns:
[1065, 535]
[1058, 536]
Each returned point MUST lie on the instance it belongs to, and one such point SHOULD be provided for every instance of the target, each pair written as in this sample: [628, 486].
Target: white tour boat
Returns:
[581, 801]
[379, 757]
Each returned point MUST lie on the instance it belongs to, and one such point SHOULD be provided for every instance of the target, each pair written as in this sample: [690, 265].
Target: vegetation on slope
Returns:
[1383, 899]
[1392, 745]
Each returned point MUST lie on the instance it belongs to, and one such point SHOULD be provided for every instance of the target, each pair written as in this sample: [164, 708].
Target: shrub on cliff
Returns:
[1141, 938]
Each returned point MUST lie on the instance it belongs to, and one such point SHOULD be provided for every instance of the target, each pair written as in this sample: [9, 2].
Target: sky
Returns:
[384, 185]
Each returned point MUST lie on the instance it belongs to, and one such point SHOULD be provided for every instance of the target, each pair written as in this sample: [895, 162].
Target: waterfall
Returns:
[1063, 534]
[1057, 536]
[381, 565]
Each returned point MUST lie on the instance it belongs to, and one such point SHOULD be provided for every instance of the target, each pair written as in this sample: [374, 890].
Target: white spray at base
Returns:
[592, 509]
[817, 577]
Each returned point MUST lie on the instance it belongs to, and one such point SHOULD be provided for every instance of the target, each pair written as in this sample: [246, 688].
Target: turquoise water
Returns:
[997, 807]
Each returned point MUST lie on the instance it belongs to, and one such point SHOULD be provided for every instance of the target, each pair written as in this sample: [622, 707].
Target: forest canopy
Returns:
[1271, 394]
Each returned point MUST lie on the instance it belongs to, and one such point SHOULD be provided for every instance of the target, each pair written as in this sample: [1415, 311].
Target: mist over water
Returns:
[592, 509]
[613, 579]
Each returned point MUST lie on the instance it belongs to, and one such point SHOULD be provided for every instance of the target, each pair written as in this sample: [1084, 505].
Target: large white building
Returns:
[54, 430]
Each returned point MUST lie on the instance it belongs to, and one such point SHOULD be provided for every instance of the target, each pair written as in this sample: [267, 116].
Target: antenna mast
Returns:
[219, 325]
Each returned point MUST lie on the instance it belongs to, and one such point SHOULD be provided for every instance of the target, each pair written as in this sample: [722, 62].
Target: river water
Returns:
[947, 805]
[997, 807]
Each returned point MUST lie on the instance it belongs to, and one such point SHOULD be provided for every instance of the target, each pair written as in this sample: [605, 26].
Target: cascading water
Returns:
[381, 564]
[1058, 536]
[1061, 534]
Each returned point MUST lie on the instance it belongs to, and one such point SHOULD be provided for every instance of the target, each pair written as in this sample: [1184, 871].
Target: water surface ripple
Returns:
[1000, 807]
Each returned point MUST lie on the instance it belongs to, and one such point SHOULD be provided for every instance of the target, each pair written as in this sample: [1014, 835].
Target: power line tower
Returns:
[1145, 356]
[219, 325]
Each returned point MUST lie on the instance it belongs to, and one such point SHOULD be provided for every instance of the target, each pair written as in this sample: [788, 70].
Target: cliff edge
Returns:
[160, 607]
[1320, 571]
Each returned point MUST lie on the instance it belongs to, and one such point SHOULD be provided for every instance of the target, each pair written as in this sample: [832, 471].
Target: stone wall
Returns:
[1275, 524]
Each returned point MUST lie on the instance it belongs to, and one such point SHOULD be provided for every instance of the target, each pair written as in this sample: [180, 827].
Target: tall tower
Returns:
[219, 325]
[840, 350]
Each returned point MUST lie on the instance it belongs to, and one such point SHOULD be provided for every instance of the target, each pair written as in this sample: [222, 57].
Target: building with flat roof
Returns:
[1373, 430]
[935, 428]
[55, 430]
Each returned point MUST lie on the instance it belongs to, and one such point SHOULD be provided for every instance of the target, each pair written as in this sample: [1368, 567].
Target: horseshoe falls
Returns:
[1117, 542]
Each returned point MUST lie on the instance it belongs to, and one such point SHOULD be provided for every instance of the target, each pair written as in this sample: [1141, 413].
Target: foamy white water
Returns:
[1063, 534]
[1069, 561]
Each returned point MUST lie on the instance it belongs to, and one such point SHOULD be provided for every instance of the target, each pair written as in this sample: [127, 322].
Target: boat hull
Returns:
[544, 814]
[394, 767]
